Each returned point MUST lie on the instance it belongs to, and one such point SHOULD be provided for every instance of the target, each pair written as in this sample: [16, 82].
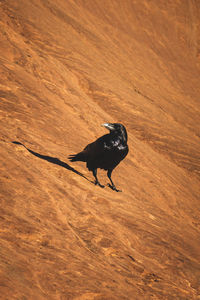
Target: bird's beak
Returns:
[109, 126]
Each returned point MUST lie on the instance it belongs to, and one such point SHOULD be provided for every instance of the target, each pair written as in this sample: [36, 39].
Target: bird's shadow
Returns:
[53, 160]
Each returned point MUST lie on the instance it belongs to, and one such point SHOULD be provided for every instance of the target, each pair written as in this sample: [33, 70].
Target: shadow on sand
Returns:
[53, 160]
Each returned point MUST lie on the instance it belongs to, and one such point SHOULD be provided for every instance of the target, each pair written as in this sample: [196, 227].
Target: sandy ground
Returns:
[66, 67]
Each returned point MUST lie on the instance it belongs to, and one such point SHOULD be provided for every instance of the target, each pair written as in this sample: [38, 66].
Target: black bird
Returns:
[105, 153]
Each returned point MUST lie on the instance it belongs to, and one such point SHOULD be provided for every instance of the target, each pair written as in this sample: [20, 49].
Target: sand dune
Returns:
[66, 68]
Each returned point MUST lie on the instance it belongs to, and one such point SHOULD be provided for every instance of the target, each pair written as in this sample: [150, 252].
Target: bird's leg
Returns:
[112, 186]
[96, 179]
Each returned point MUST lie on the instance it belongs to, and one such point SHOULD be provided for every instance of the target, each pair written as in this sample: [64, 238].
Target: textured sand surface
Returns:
[66, 67]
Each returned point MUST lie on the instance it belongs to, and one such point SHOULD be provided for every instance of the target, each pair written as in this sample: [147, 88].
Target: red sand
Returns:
[66, 68]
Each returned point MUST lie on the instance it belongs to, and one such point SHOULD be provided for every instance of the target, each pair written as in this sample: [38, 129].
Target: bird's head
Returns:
[117, 129]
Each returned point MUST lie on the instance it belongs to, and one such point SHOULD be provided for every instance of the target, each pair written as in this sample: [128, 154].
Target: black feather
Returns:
[106, 152]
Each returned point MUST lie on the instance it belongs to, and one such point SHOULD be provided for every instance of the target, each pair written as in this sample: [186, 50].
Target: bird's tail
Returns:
[76, 157]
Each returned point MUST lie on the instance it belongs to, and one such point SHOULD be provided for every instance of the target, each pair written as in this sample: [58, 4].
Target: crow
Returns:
[105, 153]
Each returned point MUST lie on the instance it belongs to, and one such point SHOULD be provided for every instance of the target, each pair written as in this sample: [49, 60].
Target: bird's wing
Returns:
[94, 149]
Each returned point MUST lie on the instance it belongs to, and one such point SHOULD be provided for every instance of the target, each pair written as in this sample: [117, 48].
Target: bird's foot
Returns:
[113, 187]
[99, 184]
